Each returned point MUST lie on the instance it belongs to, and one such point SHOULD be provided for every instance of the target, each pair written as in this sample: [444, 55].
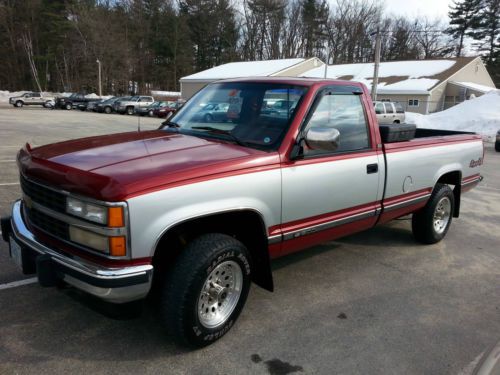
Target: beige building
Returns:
[422, 86]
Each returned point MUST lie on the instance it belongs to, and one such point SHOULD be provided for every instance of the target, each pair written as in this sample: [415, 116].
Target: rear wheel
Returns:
[432, 222]
[206, 289]
[68, 106]
[150, 113]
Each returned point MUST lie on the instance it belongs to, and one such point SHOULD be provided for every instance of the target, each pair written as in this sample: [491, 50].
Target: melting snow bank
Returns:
[480, 115]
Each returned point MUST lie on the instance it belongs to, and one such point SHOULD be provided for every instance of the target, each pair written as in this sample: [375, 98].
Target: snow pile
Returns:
[480, 115]
[166, 93]
[5, 95]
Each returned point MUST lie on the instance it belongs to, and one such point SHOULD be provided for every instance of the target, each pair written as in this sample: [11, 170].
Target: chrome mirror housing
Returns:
[321, 138]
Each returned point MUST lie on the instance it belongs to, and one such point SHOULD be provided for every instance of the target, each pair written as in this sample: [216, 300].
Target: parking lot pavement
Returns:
[372, 303]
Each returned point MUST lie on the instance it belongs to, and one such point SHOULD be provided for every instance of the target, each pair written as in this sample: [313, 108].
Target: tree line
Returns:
[54, 45]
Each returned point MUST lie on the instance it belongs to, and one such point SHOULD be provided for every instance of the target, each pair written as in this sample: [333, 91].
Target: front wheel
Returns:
[431, 223]
[206, 289]
[130, 110]
[68, 106]
[19, 104]
[107, 110]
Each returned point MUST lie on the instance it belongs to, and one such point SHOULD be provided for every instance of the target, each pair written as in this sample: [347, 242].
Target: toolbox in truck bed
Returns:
[397, 132]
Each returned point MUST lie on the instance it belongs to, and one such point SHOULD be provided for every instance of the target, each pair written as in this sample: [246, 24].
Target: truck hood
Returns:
[114, 167]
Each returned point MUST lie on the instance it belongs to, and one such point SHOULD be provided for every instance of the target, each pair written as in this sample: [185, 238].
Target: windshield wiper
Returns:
[223, 132]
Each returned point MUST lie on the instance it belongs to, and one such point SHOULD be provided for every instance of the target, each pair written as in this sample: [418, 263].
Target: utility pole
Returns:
[377, 64]
[327, 59]
[99, 68]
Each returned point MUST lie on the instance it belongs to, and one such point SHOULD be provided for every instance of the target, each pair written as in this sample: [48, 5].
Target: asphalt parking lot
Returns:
[372, 303]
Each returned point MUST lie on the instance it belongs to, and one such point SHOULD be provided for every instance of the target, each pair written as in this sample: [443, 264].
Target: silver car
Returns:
[31, 98]
[389, 113]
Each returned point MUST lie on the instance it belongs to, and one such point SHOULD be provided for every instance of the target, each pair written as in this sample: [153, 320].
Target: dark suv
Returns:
[73, 101]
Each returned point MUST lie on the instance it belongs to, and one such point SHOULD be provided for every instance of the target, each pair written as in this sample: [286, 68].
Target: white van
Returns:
[389, 112]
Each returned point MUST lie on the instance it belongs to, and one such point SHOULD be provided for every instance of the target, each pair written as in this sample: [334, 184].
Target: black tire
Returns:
[497, 146]
[425, 225]
[19, 103]
[68, 106]
[208, 117]
[396, 122]
[107, 110]
[150, 113]
[130, 110]
[182, 291]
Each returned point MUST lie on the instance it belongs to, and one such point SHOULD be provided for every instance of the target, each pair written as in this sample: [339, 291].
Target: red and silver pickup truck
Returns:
[198, 208]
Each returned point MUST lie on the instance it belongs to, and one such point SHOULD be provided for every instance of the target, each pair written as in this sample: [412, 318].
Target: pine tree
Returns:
[464, 17]
[487, 36]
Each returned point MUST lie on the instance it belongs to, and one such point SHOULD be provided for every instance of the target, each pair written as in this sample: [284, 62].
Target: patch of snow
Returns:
[480, 115]
[475, 86]
[244, 69]
[417, 71]
[165, 93]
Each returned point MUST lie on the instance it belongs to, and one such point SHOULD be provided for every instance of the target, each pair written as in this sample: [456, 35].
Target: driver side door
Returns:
[329, 194]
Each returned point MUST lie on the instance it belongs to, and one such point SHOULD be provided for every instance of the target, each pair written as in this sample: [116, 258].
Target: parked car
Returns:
[107, 105]
[206, 208]
[280, 108]
[167, 111]
[129, 106]
[90, 106]
[31, 98]
[389, 112]
[212, 112]
[497, 141]
[149, 110]
[74, 101]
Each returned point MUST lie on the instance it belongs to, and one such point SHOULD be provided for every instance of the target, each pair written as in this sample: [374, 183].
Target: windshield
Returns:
[243, 112]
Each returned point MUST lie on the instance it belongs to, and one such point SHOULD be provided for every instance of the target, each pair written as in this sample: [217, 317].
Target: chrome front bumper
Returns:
[116, 285]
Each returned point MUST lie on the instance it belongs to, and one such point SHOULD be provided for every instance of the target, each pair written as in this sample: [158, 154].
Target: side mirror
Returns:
[320, 138]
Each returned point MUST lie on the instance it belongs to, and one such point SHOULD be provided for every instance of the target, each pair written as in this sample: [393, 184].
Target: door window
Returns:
[388, 108]
[345, 113]
[379, 109]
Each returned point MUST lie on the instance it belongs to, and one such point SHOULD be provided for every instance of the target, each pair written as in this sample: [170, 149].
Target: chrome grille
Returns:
[43, 195]
[49, 224]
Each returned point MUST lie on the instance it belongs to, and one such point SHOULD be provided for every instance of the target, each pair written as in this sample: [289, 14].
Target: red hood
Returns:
[116, 166]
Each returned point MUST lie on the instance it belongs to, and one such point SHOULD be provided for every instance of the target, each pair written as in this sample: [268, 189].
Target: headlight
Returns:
[89, 239]
[88, 211]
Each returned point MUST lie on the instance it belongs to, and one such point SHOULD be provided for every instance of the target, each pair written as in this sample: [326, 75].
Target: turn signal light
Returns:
[117, 247]
[115, 217]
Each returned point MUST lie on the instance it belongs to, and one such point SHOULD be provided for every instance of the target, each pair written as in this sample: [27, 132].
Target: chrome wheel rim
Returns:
[220, 294]
[442, 215]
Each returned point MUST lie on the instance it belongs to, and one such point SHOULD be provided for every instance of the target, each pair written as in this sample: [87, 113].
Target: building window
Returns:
[385, 100]
[413, 103]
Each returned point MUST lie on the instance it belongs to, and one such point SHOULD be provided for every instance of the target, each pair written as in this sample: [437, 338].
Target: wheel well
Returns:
[453, 178]
[246, 226]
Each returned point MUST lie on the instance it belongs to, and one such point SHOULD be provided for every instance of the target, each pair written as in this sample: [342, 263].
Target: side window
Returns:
[36, 95]
[345, 113]
[379, 109]
[388, 108]
[399, 108]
